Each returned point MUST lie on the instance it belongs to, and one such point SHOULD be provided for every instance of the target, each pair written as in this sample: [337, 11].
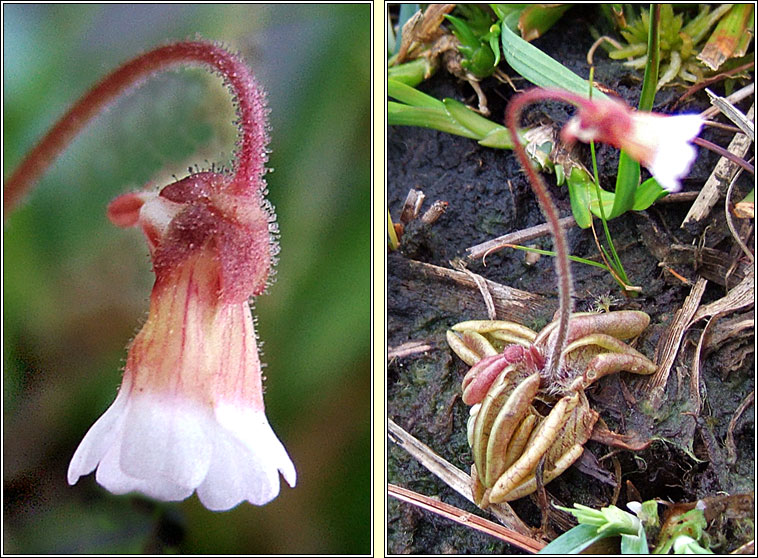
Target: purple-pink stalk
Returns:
[250, 105]
[562, 263]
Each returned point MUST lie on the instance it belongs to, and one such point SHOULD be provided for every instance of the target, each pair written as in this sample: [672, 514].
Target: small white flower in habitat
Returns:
[190, 415]
[671, 158]
[659, 142]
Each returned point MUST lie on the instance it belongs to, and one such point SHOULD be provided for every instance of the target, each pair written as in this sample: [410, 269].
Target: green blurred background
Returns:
[76, 288]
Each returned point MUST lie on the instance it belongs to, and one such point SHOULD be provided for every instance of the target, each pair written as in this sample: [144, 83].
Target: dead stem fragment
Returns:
[481, 283]
[732, 113]
[431, 215]
[695, 368]
[412, 205]
[741, 296]
[718, 180]
[516, 237]
[730, 222]
[727, 330]
[511, 304]
[452, 476]
[668, 346]
[408, 349]
[465, 518]
[731, 447]
[422, 28]
[629, 442]
[748, 548]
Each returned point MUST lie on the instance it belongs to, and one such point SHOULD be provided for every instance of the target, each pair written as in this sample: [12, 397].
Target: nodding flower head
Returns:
[190, 414]
[660, 143]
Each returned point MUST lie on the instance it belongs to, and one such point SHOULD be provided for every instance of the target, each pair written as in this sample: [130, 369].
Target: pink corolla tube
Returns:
[190, 415]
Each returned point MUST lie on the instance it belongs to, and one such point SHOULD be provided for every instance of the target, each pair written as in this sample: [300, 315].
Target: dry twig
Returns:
[465, 518]
[731, 447]
[741, 296]
[407, 349]
[668, 347]
[481, 283]
[517, 237]
[452, 476]
[721, 176]
[511, 304]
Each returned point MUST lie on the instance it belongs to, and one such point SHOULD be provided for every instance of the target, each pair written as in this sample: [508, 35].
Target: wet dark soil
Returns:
[488, 196]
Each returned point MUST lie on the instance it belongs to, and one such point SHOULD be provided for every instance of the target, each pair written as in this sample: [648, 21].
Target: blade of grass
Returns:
[615, 267]
[504, 10]
[476, 123]
[481, 250]
[728, 39]
[424, 110]
[399, 114]
[499, 138]
[393, 242]
[576, 259]
[419, 109]
[628, 176]
[411, 73]
[698, 27]
[635, 544]
[536, 66]
[410, 96]
[627, 180]
[535, 20]
[574, 540]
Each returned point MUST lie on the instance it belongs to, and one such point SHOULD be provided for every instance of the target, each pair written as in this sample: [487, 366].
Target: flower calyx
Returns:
[198, 213]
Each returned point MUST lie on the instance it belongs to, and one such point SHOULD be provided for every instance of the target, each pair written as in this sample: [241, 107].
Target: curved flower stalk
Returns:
[190, 414]
[659, 142]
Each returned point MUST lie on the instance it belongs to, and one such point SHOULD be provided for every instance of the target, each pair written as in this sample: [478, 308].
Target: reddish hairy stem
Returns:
[249, 102]
[562, 264]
